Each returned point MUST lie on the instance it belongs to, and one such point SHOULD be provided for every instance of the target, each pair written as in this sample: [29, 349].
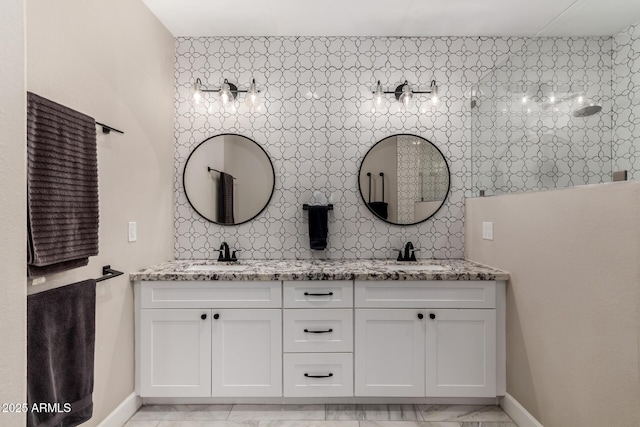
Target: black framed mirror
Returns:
[404, 179]
[228, 179]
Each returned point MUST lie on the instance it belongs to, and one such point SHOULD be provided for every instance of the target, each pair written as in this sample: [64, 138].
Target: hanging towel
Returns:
[225, 199]
[60, 354]
[318, 228]
[62, 187]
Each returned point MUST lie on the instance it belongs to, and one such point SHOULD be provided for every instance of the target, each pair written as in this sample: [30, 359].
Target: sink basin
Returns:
[217, 267]
[417, 267]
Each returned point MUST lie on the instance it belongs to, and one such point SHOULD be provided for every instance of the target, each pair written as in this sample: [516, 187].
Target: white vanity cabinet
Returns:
[208, 339]
[175, 350]
[433, 339]
[364, 340]
[318, 338]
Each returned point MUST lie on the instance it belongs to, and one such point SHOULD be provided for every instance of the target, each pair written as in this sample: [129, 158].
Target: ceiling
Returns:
[395, 18]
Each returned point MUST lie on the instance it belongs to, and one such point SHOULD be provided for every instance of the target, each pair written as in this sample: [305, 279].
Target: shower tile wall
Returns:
[525, 145]
[626, 109]
[317, 125]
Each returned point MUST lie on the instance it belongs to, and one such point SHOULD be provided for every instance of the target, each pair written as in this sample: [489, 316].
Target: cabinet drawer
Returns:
[318, 294]
[425, 294]
[318, 375]
[321, 330]
[211, 294]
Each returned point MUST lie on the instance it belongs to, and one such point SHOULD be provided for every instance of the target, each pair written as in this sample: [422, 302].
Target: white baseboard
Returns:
[123, 412]
[517, 412]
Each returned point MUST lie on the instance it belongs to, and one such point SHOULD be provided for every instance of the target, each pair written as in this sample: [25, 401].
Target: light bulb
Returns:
[524, 99]
[196, 93]
[552, 99]
[253, 98]
[378, 96]
[405, 96]
[434, 94]
[226, 97]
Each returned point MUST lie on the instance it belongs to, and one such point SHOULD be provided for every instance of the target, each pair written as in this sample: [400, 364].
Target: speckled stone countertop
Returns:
[363, 269]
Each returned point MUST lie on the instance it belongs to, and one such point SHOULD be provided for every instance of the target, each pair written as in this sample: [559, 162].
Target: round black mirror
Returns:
[228, 179]
[404, 179]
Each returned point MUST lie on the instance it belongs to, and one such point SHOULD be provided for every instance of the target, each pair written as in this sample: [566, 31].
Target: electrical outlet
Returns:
[487, 230]
[133, 231]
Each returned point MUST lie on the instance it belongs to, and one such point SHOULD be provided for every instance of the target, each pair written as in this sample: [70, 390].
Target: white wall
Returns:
[113, 60]
[13, 209]
[573, 301]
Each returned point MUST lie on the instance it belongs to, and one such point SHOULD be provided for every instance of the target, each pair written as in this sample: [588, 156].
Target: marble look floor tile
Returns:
[308, 424]
[376, 412]
[207, 424]
[409, 424]
[487, 424]
[404, 413]
[141, 424]
[199, 413]
[277, 412]
[345, 412]
[463, 413]
[153, 412]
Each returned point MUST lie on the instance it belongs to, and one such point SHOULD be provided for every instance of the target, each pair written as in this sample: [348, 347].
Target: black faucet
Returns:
[224, 253]
[409, 253]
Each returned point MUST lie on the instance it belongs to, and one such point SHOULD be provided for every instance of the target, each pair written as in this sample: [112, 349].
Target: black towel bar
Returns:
[107, 128]
[209, 169]
[306, 207]
[108, 273]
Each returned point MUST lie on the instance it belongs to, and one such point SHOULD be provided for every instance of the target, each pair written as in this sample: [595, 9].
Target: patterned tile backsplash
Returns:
[317, 122]
[626, 109]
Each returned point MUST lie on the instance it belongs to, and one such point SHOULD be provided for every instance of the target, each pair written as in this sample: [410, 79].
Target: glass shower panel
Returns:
[542, 120]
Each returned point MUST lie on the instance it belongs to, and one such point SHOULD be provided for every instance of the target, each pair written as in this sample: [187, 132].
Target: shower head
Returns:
[588, 109]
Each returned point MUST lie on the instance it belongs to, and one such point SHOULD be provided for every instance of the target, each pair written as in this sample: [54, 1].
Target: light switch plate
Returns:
[487, 230]
[133, 231]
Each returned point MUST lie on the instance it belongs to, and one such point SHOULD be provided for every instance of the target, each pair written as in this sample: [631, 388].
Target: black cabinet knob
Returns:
[203, 317]
[216, 316]
[432, 316]
[420, 316]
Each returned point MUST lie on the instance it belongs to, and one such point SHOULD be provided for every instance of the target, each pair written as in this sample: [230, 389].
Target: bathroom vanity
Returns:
[355, 330]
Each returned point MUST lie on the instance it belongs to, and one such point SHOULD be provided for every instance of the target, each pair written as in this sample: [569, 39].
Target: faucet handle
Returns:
[233, 255]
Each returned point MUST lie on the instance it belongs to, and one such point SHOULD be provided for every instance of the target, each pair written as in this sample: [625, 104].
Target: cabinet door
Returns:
[247, 352]
[175, 353]
[389, 352]
[461, 353]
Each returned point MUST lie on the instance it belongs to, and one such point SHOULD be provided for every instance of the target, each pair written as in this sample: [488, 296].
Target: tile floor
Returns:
[320, 416]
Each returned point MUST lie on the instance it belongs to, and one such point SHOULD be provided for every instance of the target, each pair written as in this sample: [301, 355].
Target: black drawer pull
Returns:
[318, 332]
[203, 317]
[432, 316]
[307, 294]
[420, 316]
[318, 376]
[216, 316]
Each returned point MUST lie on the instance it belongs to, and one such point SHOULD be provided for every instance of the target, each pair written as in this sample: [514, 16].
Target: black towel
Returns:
[60, 355]
[380, 209]
[225, 199]
[62, 187]
[318, 227]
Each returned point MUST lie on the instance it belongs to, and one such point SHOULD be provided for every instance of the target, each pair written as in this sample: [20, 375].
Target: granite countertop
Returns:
[362, 269]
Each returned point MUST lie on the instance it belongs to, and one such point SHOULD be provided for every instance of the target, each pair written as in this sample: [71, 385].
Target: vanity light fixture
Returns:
[404, 94]
[228, 92]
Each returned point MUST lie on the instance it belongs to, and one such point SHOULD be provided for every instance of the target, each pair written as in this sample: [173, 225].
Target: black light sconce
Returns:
[404, 94]
[228, 93]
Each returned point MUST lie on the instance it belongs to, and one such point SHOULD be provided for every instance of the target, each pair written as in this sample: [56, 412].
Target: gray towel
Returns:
[60, 355]
[225, 199]
[62, 187]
